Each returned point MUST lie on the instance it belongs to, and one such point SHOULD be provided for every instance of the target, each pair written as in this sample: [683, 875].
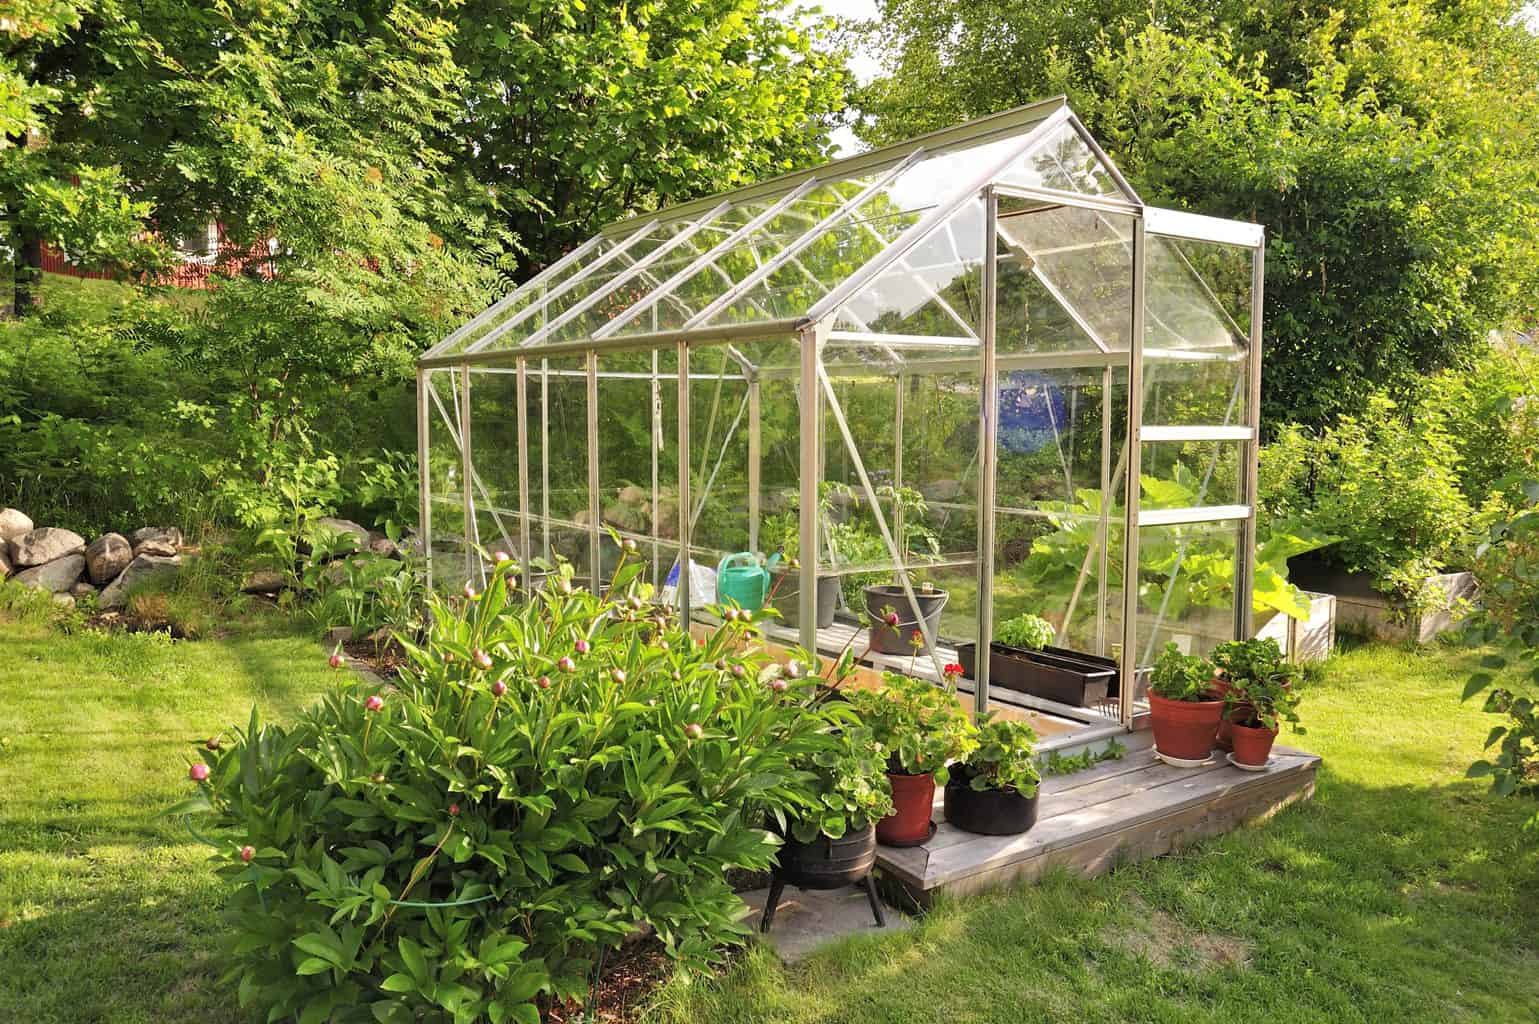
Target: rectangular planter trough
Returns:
[1053, 673]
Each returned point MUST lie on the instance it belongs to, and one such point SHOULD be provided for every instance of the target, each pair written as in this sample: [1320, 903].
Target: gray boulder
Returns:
[164, 534]
[347, 526]
[56, 577]
[64, 600]
[82, 589]
[381, 545]
[154, 546]
[5, 559]
[263, 581]
[13, 523]
[45, 544]
[143, 570]
[106, 556]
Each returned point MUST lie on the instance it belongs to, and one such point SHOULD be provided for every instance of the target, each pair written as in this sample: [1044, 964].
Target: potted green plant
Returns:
[1021, 658]
[993, 789]
[898, 625]
[831, 842]
[1259, 696]
[922, 728]
[1184, 708]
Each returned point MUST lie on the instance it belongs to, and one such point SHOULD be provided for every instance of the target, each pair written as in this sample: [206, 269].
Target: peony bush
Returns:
[554, 773]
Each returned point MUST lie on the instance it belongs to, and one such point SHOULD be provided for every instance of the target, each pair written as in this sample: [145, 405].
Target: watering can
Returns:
[742, 579]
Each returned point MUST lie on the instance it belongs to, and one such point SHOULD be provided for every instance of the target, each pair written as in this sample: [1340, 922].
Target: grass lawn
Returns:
[1401, 893]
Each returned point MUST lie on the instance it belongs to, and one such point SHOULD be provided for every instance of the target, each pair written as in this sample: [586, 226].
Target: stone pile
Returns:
[60, 561]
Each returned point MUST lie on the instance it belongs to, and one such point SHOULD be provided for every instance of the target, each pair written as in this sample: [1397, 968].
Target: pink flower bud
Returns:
[377, 778]
[738, 670]
[482, 659]
[891, 618]
[501, 556]
[721, 664]
[694, 731]
[778, 685]
[470, 591]
[499, 688]
[335, 661]
[581, 646]
[454, 810]
[545, 682]
[247, 852]
[730, 614]
[375, 702]
[794, 669]
[618, 675]
[566, 664]
[198, 772]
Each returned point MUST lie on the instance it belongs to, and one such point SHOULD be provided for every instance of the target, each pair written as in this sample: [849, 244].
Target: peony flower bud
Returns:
[499, 688]
[375, 702]
[581, 646]
[198, 772]
[694, 731]
[454, 810]
[377, 778]
[482, 659]
[891, 618]
[501, 556]
[778, 685]
[335, 661]
[738, 670]
[247, 852]
[470, 591]
[545, 682]
[618, 675]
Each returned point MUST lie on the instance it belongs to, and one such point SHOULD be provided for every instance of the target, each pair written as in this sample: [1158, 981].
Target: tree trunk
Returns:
[27, 274]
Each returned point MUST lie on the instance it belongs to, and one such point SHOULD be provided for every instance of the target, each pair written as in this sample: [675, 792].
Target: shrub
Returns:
[555, 772]
[920, 725]
[1005, 758]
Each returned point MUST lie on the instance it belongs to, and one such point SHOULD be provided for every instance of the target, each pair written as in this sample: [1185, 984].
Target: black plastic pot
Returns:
[827, 863]
[787, 599]
[895, 640]
[991, 812]
[1068, 677]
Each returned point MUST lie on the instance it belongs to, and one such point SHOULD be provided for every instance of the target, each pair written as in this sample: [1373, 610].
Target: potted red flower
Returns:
[923, 728]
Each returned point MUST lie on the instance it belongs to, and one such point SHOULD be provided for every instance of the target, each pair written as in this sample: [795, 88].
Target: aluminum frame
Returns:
[902, 356]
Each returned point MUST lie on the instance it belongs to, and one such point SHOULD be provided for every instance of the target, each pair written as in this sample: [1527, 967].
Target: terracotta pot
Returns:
[913, 797]
[1220, 690]
[1184, 728]
[1253, 744]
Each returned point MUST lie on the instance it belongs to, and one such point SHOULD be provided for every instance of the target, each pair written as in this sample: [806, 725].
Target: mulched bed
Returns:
[384, 658]
[624, 989]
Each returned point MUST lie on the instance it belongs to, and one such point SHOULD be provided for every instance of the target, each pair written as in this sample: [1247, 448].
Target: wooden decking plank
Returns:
[1089, 822]
[1140, 755]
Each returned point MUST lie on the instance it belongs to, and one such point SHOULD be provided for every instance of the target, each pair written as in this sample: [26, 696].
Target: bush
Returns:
[555, 772]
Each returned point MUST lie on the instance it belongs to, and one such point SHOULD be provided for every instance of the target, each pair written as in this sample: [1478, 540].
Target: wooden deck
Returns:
[1115, 812]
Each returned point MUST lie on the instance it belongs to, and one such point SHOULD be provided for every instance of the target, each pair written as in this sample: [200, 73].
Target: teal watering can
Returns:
[742, 579]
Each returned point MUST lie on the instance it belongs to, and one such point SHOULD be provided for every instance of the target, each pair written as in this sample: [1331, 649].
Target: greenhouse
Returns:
[901, 399]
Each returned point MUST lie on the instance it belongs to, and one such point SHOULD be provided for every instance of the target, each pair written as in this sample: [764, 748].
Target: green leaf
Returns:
[399, 983]
[1477, 682]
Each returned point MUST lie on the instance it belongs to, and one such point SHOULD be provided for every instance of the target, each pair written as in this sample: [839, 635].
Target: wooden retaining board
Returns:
[1116, 812]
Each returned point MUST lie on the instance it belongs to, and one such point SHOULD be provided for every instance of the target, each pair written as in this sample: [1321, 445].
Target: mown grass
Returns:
[1400, 893]
[107, 910]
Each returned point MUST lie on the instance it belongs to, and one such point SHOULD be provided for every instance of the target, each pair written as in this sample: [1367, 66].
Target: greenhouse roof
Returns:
[877, 242]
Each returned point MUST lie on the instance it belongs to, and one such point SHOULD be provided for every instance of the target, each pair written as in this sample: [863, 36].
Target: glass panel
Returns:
[1186, 587]
[1196, 369]
[558, 459]
[638, 455]
[1062, 162]
[1082, 259]
[525, 310]
[445, 470]
[494, 440]
[936, 289]
[1190, 474]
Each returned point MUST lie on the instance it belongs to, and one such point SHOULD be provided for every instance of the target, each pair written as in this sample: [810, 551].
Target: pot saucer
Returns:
[1183, 762]
[1270, 761]
[916, 842]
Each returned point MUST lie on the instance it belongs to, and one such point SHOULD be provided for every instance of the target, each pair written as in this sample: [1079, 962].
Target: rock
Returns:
[154, 546]
[56, 576]
[381, 545]
[339, 635]
[164, 534]
[264, 581]
[13, 523]
[346, 526]
[5, 559]
[106, 556]
[82, 589]
[142, 570]
[64, 600]
[45, 544]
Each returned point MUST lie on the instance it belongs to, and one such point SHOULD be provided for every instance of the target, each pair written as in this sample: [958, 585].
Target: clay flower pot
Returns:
[1184, 729]
[913, 797]
[1253, 744]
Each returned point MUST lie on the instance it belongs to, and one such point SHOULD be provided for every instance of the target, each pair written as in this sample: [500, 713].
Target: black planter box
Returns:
[1053, 673]
[989, 812]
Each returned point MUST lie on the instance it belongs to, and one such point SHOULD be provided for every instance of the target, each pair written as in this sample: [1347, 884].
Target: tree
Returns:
[580, 114]
[1384, 144]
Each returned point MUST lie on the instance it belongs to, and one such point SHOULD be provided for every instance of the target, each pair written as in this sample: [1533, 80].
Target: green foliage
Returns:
[1183, 677]
[1068, 764]
[921, 726]
[1262, 684]
[1386, 486]
[848, 786]
[1004, 758]
[553, 773]
[1028, 632]
[1508, 571]
[1387, 145]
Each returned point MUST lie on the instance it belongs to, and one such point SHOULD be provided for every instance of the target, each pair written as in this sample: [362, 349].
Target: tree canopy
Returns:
[1387, 145]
